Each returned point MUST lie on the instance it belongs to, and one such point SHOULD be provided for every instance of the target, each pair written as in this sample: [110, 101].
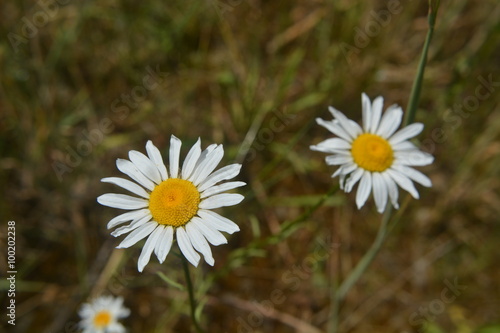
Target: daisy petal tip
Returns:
[210, 261]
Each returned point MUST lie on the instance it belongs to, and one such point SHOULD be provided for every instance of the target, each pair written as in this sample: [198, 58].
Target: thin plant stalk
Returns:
[339, 295]
[192, 301]
[417, 84]
[360, 268]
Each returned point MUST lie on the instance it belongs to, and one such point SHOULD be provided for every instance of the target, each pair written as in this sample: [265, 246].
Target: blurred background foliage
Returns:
[76, 92]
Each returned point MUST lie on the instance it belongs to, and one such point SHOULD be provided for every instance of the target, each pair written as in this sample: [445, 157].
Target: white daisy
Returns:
[376, 154]
[102, 314]
[178, 201]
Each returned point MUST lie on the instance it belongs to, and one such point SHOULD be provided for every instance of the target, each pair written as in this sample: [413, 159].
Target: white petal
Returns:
[211, 234]
[221, 200]
[405, 145]
[191, 159]
[208, 165]
[132, 226]
[379, 191]
[350, 127]
[122, 201]
[406, 133]
[145, 165]
[128, 185]
[224, 173]
[353, 179]
[414, 158]
[331, 144]
[348, 168]
[345, 170]
[131, 170]
[365, 186]
[392, 189]
[338, 159]
[403, 182]
[200, 243]
[186, 247]
[164, 244]
[414, 175]
[335, 128]
[137, 235]
[149, 247]
[390, 121]
[342, 181]
[114, 327]
[337, 172]
[367, 111]
[221, 188]
[128, 216]
[175, 151]
[203, 156]
[155, 156]
[219, 222]
[377, 106]
[357, 130]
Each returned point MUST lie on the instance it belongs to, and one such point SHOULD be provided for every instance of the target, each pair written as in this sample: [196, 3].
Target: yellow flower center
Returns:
[174, 202]
[102, 319]
[372, 153]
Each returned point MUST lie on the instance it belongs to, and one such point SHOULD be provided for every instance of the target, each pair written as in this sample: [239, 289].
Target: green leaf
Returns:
[171, 282]
[489, 329]
[433, 328]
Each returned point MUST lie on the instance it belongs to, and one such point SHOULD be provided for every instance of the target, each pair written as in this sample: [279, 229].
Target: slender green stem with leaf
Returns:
[417, 84]
[340, 293]
[360, 268]
[192, 301]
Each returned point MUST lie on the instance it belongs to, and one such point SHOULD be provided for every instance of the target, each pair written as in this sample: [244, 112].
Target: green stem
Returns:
[192, 302]
[417, 84]
[339, 295]
[358, 271]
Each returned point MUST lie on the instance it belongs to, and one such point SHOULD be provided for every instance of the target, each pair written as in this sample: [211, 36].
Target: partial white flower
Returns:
[174, 203]
[102, 314]
[375, 155]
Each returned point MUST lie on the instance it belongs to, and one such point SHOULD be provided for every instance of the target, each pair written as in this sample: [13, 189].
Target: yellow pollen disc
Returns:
[174, 202]
[372, 152]
[102, 319]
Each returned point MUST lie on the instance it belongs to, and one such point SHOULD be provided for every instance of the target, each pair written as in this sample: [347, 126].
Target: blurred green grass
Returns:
[231, 66]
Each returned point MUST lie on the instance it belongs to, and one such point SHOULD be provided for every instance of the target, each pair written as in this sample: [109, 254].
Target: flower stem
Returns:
[358, 271]
[417, 84]
[192, 302]
[339, 294]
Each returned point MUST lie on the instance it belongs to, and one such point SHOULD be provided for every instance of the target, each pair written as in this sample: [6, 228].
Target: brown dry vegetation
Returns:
[231, 67]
